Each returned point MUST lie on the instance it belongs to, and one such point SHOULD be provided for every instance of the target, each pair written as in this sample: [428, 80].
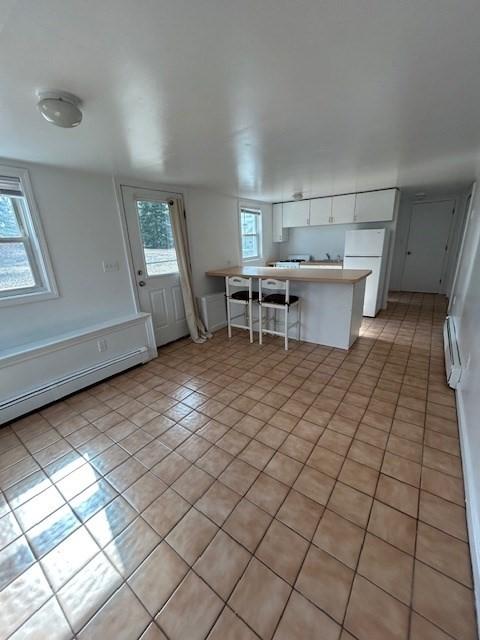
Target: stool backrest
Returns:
[238, 281]
[279, 285]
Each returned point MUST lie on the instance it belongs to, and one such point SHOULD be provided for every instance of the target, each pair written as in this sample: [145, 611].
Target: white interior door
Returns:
[155, 261]
[425, 258]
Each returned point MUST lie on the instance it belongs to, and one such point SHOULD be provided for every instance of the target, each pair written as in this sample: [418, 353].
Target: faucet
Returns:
[328, 256]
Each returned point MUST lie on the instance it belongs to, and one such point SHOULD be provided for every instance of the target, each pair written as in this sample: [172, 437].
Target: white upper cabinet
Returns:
[320, 211]
[374, 206]
[279, 233]
[343, 209]
[370, 206]
[296, 214]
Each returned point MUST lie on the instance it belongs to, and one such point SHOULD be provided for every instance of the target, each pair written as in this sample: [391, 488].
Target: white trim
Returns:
[38, 242]
[471, 500]
[141, 351]
[462, 244]
[122, 216]
[118, 184]
[36, 349]
[72, 383]
[245, 204]
[43, 372]
[447, 253]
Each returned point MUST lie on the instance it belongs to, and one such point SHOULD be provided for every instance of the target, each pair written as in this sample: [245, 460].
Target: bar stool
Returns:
[245, 297]
[279, 300]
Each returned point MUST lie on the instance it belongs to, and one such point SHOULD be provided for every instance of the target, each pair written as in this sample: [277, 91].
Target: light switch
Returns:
[102, 345]
[108, 267]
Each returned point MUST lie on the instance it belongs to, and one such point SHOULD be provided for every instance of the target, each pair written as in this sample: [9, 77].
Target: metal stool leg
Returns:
[260, 324]
[299, 318]
[250, 319]
[229, 318]
[286, 327]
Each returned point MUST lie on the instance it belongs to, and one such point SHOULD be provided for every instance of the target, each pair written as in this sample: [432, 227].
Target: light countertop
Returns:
[335, 263]
[331, 276]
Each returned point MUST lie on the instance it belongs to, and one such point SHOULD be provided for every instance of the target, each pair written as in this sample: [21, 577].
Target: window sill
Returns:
[23, 298]
[252, 260]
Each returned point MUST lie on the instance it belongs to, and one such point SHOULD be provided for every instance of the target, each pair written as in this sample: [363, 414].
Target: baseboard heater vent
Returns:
[453, 365]
[56, 389]
[213, 311]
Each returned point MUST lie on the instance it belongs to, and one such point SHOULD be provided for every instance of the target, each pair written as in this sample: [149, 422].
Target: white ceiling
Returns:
[255, 98]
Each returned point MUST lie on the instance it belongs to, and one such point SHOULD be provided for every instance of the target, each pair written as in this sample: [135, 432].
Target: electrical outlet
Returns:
[108, 267]
[102, 345]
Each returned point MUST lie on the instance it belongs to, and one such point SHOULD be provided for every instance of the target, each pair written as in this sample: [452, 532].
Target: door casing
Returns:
[163, 192]
[452, 205]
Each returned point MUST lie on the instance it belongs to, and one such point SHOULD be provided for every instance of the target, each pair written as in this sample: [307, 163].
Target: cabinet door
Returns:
[320, 211]
[296, 214]
[279, 234]
[375, 205]
[343, 209]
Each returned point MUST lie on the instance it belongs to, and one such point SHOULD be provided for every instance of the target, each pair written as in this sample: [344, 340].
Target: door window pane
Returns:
[8, 220]
[157, 237]
[15, 271]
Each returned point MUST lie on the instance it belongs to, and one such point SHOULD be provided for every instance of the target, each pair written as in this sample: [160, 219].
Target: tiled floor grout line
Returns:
[420, 493]
[311, 541]
[371, 507]
[418, 507]
[304, 463]
[417, 518]
[253, 553]
[147, 470]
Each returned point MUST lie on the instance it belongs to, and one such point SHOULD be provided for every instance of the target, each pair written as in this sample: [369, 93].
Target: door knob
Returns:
[141, 283]
[409, 253]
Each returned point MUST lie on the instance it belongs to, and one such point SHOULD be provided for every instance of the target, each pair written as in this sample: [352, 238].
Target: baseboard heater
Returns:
[453, 364]
[55, 389]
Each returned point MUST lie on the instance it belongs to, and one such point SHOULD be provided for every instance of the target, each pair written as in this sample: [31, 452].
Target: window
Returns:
[251, 233]
[157, 237]
[25, 272]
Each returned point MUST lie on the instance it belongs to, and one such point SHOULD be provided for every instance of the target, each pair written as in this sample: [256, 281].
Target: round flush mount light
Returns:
[298, 195]
[60, 108]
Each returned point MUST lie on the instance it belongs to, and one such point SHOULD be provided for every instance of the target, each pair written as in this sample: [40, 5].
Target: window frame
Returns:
[33, 239]
[257, 210]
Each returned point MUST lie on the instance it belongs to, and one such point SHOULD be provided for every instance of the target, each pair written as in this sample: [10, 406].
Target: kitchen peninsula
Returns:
[332, 300]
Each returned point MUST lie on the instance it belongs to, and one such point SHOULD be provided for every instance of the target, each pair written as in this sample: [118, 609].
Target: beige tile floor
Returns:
[231, 491]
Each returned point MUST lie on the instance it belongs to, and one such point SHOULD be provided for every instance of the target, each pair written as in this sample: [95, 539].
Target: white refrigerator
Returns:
[365, 249]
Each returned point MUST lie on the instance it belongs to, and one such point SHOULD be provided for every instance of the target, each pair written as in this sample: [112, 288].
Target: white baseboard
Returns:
[43, 372]
[471, 501]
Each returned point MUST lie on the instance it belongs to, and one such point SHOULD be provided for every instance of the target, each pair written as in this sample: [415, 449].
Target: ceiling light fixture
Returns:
[60, 108]
[298, 195]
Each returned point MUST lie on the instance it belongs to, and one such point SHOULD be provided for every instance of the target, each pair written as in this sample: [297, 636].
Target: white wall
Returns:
[214, 235]
[465, 310]
[405, 212]
[82, 227]
[81, 221]
[317, 241]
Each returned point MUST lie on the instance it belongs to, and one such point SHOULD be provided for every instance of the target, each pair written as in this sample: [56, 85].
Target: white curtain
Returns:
[197, 329]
